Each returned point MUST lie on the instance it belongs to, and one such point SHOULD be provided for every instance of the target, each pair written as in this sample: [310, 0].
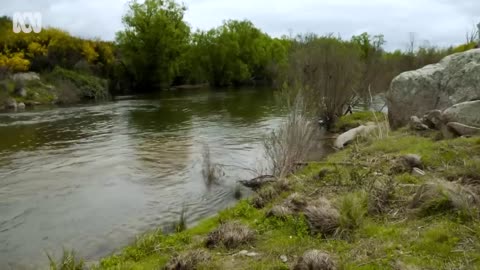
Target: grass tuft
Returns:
[315, 259]
[230, 235]
[188, 260]
[68, 261]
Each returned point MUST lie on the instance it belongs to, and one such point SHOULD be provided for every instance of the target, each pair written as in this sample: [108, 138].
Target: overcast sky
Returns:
[439, 22]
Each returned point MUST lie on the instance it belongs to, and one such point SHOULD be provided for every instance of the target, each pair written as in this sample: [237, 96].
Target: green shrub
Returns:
[353, 210]
[87, 86]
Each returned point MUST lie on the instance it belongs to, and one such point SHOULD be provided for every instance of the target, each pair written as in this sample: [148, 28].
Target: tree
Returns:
[325, 70]
[372, 77]
[152, 43]
[235, 53]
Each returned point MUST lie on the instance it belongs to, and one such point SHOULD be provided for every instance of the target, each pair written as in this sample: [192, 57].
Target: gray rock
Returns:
[10, 103]
[21, 106]
[433, 119]
[412, 160]
[463, 130]
[416, 124]
[453, 80]
[284, 258]
[26, 76]
[467, 113]
[352, 134]
[247, 253]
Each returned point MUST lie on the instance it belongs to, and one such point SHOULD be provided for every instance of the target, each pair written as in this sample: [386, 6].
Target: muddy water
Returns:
[91, 177]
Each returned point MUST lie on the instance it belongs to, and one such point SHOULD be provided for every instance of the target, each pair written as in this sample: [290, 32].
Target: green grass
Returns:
[356, 119]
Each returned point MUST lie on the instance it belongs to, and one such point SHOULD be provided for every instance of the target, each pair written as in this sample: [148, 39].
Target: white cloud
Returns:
[441, 22]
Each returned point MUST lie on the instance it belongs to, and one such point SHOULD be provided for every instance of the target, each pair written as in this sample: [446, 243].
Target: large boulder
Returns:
[453, 80]
[467, 113]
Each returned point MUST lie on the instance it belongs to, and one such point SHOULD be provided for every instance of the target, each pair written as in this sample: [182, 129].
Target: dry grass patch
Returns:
[441, 196]
[263, 196]
[322, 217]
[230, 235]
[188, 260]
[315, 260]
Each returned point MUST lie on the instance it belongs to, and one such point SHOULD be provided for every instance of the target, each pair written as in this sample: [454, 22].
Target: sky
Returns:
[434, 22]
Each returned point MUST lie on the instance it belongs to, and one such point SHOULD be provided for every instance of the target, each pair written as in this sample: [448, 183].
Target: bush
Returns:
[87, 86]
[326, 70]
[353, 209]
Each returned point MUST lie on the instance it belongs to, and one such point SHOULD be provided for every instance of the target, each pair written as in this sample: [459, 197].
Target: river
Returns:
[91, 177]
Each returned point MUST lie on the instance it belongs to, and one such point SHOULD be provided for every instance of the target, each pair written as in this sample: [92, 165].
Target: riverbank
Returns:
[60, 86]
[364, 207]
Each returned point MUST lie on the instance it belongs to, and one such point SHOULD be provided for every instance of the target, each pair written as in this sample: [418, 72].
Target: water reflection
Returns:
[92, 177]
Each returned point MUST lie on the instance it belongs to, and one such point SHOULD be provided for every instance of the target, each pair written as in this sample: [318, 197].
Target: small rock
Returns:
[21, 106]
[418, 172]
[284, 258]
[463, 130]
[247, 253]
[416, 124]
[413, 160]
[10, 103]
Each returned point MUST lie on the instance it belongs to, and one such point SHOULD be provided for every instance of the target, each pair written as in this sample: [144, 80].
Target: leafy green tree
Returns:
[153, 41]
[235, 53]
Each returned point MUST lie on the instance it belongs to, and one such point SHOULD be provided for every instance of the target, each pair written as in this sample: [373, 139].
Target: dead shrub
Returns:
[282, 185]
[381, 196]
[231, 235]
[188, 260]
[315, 260]
[322, 217]
[291, 142]
[441, 196]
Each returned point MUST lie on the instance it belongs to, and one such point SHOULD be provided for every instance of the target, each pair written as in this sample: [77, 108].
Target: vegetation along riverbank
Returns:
[396, 200]
[400, 192]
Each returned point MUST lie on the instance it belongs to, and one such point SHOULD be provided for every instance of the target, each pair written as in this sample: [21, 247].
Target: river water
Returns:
[92, 177]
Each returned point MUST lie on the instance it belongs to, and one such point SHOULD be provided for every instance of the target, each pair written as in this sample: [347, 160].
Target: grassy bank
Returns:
[60, 86]
[362, 207]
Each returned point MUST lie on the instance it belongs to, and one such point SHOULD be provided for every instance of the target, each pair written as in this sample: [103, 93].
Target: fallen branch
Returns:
[258, 182]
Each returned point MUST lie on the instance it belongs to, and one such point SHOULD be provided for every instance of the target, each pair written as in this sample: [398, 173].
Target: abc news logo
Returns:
[27, 22]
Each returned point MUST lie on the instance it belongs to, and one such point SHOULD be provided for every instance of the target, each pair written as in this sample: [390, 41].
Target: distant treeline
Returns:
[157, 49]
